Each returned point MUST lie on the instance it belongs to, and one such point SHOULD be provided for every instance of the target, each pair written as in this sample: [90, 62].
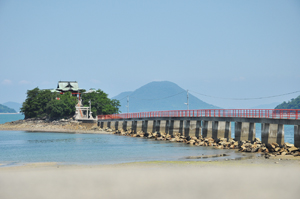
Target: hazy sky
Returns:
[237, 49]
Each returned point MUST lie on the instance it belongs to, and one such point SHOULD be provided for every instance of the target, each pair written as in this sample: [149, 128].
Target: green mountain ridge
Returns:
[5, 109]
[160, 96]
[292, 104]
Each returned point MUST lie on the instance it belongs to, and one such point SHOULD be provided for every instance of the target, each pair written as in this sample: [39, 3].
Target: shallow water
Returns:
[19, 147]
[10, 117]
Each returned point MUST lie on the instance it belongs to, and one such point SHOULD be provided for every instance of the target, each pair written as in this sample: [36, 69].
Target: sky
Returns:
[226, 49]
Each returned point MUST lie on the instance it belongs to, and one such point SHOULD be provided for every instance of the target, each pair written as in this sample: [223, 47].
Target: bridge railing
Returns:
[243, 113]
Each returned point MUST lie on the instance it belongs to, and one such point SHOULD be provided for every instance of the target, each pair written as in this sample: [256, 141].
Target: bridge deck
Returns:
[285, 114]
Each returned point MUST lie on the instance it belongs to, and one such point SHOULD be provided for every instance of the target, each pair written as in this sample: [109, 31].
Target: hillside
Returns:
[293, 104]
[14, 105]
[5, 109]
[158, 96]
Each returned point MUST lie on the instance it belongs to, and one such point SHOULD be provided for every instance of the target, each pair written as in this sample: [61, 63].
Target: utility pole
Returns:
[187, 99]
[127, 104]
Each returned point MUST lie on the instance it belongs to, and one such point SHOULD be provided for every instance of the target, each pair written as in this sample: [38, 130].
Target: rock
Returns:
[292, 149]
[288, 145]
[297, 153]
[191, 142]
[257, 140]
[173, 140]
[242, 148]
[267, 156]
[194, 138]
[277, 149]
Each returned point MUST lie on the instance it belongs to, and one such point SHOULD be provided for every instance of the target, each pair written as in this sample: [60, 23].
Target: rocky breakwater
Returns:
[256, 146]
[44, 125]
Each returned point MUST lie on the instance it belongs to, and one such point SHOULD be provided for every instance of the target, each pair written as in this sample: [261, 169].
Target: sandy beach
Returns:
[220, 179]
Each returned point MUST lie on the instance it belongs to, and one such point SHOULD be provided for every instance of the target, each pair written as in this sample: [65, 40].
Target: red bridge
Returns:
[238, 113]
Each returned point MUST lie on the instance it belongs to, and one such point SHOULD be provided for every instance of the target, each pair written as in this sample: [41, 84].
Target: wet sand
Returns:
[259, 178]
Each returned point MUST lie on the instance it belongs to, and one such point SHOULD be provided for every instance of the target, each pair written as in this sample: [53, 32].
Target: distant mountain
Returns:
[159, 96]
[266, 106]
[13, 105]
[292, 104]
[5, 109]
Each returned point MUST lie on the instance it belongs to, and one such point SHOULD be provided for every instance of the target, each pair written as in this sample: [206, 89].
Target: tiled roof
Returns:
[67, 86]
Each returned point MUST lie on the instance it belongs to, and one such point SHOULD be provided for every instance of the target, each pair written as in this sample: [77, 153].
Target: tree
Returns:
[292, 104]
[43, 103]
[36, 103]
[63, 108]
[101, 104]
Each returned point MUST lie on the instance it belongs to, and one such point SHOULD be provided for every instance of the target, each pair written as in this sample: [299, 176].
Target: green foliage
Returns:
[293, 104]
[43, 103]
[101, 104]
[36, 103]
[5, 109]
[65, 107]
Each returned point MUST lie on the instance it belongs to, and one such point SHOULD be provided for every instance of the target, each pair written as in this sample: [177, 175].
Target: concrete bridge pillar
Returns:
[244, 131]
[221, 129]
[101, 124]
[139, 125]
[124, 125]
[112, 125]
[162, 126]
[105, 124]
[297, 135]
[198, 128]
[187, 124]
[156, 126]
[180, 130]
[116, 125]
[171, 127]
[109, 124]
[167, 126]
[144, 126]
[134, 126]
[207, 129]
[150, 125]
[153, 126]
[272, 133]
[194, 129]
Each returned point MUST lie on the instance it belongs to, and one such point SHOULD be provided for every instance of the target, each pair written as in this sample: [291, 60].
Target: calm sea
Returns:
[18, 147]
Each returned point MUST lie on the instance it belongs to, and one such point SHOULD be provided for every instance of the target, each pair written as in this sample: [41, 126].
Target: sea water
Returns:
[18, 147]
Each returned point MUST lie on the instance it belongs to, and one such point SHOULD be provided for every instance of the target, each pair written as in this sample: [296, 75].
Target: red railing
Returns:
[243, 113]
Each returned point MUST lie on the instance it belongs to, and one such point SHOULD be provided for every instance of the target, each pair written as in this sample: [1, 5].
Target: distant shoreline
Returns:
[10, 113]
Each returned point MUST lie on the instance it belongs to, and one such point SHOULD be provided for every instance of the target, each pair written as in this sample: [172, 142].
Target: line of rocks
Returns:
[256, 146]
